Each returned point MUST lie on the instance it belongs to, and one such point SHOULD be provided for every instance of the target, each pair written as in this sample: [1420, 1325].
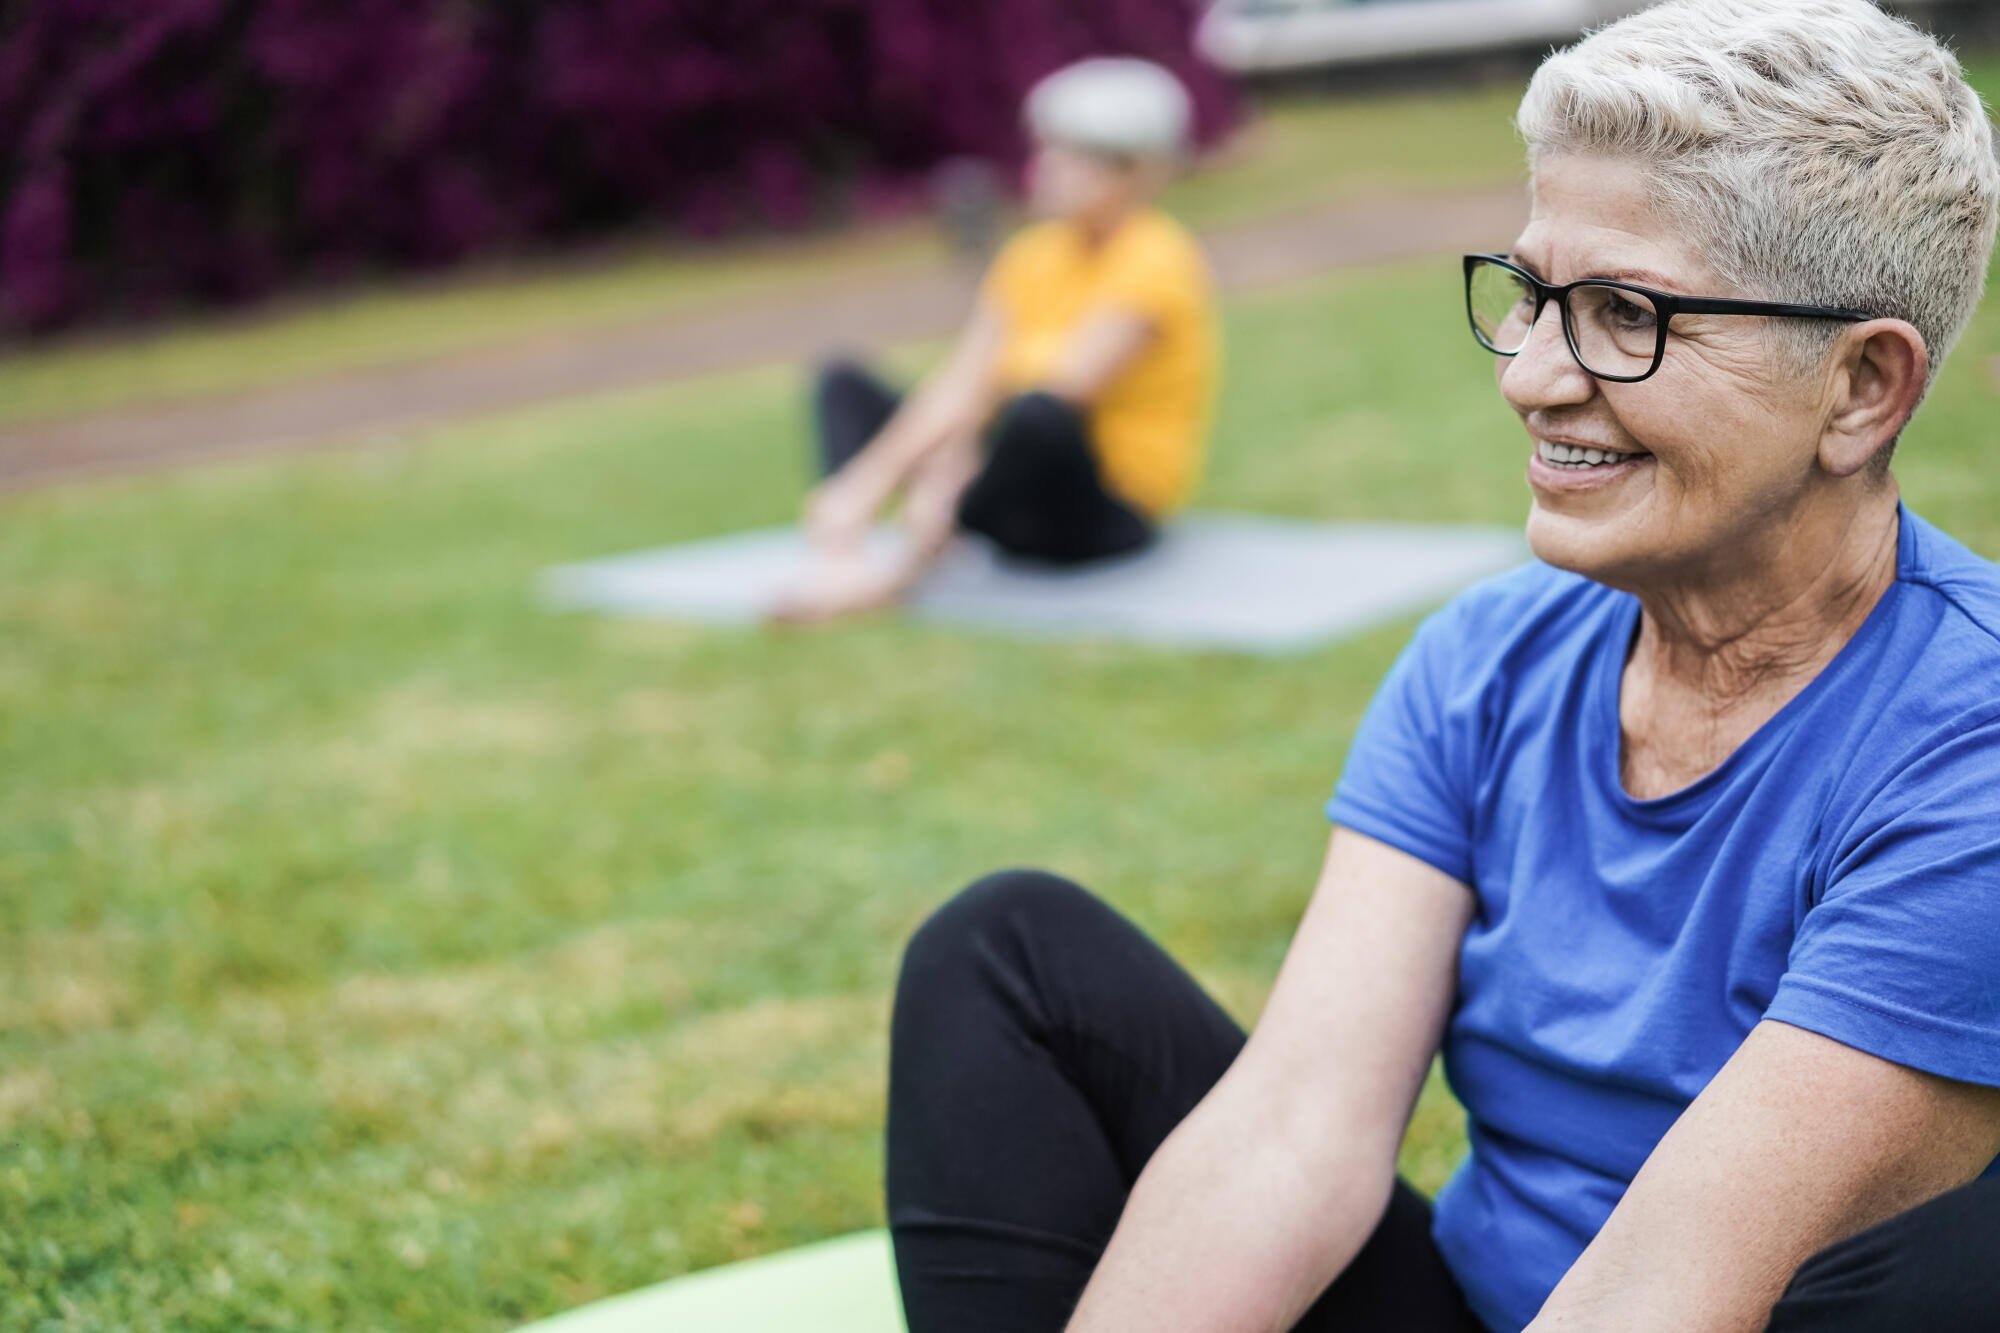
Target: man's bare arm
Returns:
[1798, 1142]
[1273, 1183]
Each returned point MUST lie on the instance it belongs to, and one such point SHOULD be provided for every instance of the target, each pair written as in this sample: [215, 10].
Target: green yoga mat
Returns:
[836, 1286]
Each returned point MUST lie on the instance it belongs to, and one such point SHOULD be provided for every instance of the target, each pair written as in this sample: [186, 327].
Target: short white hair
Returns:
[1120, 106]
[1814, 151]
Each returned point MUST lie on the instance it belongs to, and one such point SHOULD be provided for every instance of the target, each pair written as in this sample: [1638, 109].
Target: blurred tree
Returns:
[161, 153]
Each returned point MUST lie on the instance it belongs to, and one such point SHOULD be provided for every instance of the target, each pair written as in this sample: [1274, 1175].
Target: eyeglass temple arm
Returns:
[1706, 305]
[1699, 305]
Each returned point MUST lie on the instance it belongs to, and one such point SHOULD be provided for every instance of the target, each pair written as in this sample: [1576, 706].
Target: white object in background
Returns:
[1250, 36]
[1112, 104]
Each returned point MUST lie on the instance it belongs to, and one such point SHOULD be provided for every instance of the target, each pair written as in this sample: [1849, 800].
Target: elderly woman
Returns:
[1071, 418]
[1681, 844]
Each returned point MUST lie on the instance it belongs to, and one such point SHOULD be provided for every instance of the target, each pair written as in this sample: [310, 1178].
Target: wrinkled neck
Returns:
[1770, 619]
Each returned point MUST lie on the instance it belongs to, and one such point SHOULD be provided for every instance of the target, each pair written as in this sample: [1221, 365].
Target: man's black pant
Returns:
[1042, 1048]
[1038, 494]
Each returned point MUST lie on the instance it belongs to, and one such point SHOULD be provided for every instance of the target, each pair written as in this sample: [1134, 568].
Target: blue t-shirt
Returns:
[1840, 872]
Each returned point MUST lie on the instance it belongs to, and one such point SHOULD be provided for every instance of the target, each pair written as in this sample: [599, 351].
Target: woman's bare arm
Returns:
[952, 402]
[1102, 346]
[1107, 341]
[1273, 1183]
[930, 448]
[1798, 1142]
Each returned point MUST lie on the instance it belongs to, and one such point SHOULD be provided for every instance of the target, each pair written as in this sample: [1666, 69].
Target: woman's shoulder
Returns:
[1926, 679]
[1965, 584]
[1033, 243]
[1530, 601]
[1157, 239]
[1026, 263]
[1156, 226]
[1515, 628]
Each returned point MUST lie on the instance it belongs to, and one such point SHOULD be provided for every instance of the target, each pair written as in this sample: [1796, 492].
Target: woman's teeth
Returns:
[1575, 458]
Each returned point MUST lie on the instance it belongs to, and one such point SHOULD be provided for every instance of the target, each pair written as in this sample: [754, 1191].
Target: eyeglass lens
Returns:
[1616, 331]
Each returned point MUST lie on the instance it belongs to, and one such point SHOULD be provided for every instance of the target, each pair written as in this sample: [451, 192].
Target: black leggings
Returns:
[1038, 495]
[1042, 1048]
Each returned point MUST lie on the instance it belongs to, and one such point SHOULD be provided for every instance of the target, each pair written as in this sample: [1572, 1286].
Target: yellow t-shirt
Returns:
[1149, 425]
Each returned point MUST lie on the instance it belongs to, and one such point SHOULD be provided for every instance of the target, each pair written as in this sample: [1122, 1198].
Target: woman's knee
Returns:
[1928, 1267]
[1038, 419]
[839, 374]
[1001, 912]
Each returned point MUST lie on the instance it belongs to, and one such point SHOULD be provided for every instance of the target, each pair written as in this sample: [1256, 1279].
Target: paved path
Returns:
[803, 321]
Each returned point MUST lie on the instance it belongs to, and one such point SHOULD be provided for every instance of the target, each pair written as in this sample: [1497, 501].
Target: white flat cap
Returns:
[1112, 104]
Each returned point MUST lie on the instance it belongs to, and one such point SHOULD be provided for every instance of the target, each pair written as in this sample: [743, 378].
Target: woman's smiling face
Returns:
[1709, 454]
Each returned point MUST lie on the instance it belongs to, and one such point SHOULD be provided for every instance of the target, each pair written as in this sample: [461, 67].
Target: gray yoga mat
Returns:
[1233, 581]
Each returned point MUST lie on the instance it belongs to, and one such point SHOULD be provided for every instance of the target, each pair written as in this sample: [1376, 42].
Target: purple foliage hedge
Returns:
[159, 153]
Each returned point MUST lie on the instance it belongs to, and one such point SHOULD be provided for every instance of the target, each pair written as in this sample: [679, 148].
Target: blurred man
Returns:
[1072, 416]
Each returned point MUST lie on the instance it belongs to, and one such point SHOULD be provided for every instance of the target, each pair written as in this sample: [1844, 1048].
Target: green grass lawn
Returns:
[381, 950]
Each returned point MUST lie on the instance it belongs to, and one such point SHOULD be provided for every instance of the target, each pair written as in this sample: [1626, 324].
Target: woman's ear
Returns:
[1881, 374]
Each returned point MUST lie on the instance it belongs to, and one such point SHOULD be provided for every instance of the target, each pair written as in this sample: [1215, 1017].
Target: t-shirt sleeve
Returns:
[1406, 781]
[1900, 957]
[1156, 275]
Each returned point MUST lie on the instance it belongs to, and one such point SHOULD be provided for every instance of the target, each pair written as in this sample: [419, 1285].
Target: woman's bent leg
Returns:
[850, 404]
[1039, 494]
[1935, 1269]
[1042, 1048]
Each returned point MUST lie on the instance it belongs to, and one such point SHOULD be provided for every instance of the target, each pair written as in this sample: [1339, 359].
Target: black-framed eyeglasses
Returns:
[1617, 331]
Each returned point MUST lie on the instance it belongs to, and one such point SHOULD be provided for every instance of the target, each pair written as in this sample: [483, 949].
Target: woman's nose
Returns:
[1544, 373]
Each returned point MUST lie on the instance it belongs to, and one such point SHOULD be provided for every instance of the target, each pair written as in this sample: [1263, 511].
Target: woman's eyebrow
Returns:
[1516, 258]
[1643, 277]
